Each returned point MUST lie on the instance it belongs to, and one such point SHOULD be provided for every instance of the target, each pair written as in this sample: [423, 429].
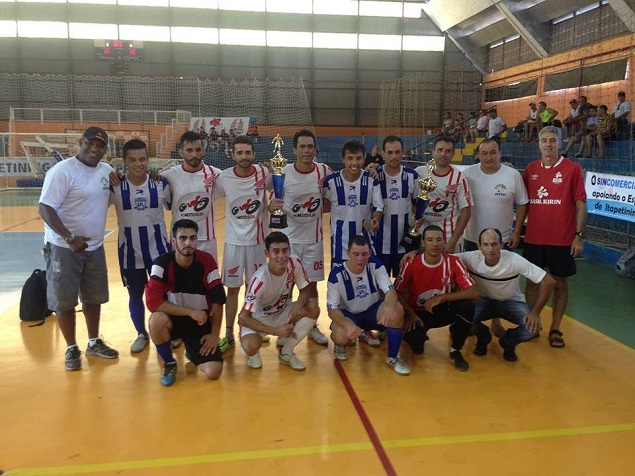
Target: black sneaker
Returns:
[459, 362]
[417, 348]
[480, 349]
[509, 354]
[73, 358]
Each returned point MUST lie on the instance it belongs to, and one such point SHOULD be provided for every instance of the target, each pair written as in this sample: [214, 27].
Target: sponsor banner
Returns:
[17, 167]
[611, 195]
[240, 125]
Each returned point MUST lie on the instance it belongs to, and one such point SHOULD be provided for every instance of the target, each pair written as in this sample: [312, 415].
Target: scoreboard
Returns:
[119, 50]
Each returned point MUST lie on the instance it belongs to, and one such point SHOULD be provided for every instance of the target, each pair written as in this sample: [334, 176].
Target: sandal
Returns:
[555, 339]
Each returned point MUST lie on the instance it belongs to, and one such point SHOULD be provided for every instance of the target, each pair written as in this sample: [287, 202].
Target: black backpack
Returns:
[33, 304]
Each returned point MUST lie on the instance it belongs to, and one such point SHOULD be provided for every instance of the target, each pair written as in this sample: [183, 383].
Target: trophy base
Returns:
[411, 242]
[278, 221]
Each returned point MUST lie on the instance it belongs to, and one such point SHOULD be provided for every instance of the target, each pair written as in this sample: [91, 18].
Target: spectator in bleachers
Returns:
[482, 123]
[588, 129]
[605, 131]
[448, 124]
[459, 126]
[546, 115]
[622, 115]
[569, 122]
[496, 125]
[472, 129]
[531, 122]
[213, 138]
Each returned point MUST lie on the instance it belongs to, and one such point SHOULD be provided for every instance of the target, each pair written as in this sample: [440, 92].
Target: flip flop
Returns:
[555, 339]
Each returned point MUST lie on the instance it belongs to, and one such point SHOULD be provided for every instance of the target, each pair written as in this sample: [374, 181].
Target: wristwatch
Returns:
[581, 234]
[70, 238]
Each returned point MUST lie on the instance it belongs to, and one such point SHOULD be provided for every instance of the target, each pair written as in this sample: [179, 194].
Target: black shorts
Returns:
[557, 259]
[187, 329]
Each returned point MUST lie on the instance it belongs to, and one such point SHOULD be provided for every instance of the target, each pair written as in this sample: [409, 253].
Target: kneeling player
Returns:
[355, 305]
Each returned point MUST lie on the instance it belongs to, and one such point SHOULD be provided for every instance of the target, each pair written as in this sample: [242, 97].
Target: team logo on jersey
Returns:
[362, 291]
[352, 201]
[105, 183]
[542, 192]
[452, 189]
[394, 193]
[500, 190]
[438, 205]
[306, 207]
[276, 306]
[140, 203]
[245, 209]
[557, 178]
[542, 200]
[194, 206]
[424, 296]
[534, 176]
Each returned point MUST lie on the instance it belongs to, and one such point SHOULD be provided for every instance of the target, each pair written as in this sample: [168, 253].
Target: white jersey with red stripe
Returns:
[447, 200]
[267, 294]
[303, 202]
[245, 205]
[193, 196]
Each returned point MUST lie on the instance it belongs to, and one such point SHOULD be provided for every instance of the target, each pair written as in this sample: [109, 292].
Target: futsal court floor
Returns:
[564, 411]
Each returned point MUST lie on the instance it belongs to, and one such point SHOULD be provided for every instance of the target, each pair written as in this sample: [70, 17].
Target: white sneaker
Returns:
[281, 341]
[339, 352]
[265, 337]
[292, 361]
[398, 365]
[140, 343]
[254, 361]
[369, 338]
[318, 337]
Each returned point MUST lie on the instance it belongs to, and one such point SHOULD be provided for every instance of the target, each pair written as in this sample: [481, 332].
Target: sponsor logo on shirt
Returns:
[306, 207]
[245, 209]
[557, 178]
[140, 203]
[500, 190]
[194, 206]
[542, 193]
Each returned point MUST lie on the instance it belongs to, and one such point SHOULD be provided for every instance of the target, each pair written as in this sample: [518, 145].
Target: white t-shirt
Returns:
[357, 292]
[351, 204]
[495, 126]
[494, 197]
[501, 281]
[622, 109]
[303, 203]
[267, 294]
[142, 234]
[79, 194]
[245, 205]
[193, 197]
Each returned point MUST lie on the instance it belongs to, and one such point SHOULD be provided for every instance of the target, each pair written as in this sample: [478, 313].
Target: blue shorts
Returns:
[366, 320]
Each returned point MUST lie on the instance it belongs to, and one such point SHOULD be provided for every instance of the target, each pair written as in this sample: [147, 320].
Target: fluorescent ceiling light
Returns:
[412, 10]
[208, 36]
[8, 29]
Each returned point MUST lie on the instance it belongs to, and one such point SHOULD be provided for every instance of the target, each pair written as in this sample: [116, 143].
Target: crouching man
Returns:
[186, 298]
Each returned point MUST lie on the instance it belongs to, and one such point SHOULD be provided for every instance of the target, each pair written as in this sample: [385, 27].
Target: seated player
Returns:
[355, 303]
[186, 297]
[268, 307]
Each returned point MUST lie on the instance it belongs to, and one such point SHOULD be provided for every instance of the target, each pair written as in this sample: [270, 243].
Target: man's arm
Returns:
[470, 293]
[52, 219]
[411, 319]
[532, 319]
[521, 213]
[391, 315]
[175, 310]
[577, 247]
[464, 217]
[302, 307]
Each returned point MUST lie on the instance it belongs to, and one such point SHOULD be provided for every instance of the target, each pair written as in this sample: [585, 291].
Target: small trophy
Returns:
[278, 218]
[412, 240]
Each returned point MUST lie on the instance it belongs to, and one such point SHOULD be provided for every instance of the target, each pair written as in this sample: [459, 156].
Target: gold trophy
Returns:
[278, 218]
[412, 240]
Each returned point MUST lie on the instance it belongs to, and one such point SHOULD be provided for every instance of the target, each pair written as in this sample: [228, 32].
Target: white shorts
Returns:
[210, 247]
[240, 262]
[312, 255]
[277, 320]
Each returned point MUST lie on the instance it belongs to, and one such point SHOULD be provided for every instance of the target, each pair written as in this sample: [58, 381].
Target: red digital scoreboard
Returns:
[119, 50]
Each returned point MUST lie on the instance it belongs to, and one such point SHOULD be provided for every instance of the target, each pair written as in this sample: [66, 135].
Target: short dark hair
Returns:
[353, 146]
[431, 228]
[303, 133]
[391, 138]
[183, 223]
[242, 140]
[134, 144]
[621, 93]
[604, 107]
[276, 237]
[442, 138]
[495, 230]
[190, 136]
[359, 240]
[488, 140]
